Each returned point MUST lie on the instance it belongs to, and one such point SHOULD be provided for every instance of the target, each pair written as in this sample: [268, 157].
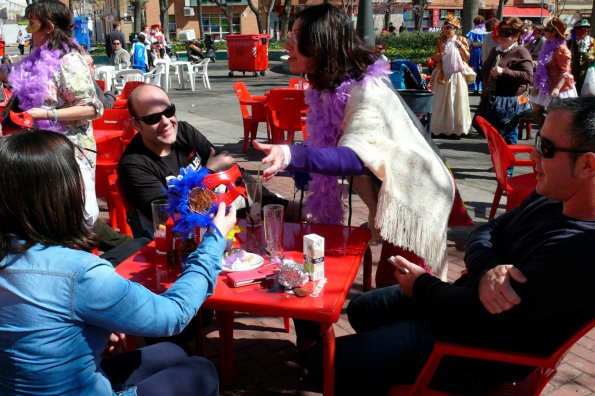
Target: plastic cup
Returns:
[273, 230]
[254, 192]
[160, 211]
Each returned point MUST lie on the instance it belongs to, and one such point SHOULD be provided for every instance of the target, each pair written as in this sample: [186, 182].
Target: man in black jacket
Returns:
[529, 286]
[162, 146]
[115, 34]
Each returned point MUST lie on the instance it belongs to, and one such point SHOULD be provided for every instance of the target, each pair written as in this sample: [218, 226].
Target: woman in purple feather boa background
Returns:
[54, 86]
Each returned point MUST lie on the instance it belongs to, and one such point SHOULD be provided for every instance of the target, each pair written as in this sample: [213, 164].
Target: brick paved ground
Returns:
[264, 359]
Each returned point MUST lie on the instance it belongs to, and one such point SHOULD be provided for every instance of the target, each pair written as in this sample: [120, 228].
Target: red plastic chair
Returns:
[546, 367]
[251, 118]
[122, 99]
[119, 206]
[101, 84]
[286, 111]
[517, 188]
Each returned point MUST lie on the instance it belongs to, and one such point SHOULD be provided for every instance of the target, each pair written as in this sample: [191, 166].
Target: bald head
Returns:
[143, 96]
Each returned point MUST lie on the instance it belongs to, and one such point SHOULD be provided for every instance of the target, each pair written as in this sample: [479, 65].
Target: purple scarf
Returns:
[326, 110]
[540, 79]
[30, 81]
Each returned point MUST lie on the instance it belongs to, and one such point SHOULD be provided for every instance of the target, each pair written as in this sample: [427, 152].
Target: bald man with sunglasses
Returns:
[156, 154]
[529, 284]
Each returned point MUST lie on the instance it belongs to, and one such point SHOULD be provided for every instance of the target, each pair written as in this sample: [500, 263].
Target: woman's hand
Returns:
[225, 219]
[115, 345]
[555, 93]
[406, 281]
[274, 156]
[40, 114]
[220, 162]
[496, 71]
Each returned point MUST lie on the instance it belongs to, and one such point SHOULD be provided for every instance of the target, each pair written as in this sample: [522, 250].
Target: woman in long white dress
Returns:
[451, 114]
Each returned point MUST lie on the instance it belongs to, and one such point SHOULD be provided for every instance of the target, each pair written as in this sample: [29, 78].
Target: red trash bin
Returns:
[2, 48]
[248, 53]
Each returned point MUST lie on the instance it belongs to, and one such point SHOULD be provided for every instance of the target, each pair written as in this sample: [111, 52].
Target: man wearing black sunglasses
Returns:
[156, 154]
[529, 284]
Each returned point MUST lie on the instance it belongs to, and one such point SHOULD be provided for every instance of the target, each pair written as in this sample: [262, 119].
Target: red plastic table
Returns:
[345, 247]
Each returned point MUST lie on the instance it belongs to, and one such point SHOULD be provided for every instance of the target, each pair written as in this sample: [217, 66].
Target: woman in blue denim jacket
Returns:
[59, 305]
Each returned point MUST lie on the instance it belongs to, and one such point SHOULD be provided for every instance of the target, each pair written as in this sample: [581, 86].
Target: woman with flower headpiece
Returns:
[451, 115]
[55, 87]
[358, 126]
[553, 78]
[582, 51]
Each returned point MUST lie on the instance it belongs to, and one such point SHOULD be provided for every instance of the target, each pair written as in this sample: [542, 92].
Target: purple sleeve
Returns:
[333, 161]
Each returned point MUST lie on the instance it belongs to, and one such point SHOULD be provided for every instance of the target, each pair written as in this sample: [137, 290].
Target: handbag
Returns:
[525, 107]
[468, 73]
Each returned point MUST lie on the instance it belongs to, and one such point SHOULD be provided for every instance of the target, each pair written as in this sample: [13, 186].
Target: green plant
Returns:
[415, 46]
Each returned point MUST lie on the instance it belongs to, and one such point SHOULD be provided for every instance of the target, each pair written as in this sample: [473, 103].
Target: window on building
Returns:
[409, 18]
[444, 13]
[172, 26]
[217, 25]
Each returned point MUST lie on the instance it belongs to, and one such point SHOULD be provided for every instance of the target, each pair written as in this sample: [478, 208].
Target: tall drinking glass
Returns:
[160, 211]
[254, 192]
[273, 230]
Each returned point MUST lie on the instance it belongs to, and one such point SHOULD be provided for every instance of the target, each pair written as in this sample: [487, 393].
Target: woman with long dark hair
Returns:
[358, 126]
[55, 87]
[62, 309]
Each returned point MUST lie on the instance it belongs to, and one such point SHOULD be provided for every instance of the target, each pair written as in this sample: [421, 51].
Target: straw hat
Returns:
[558, 25]
[584, 23]
[453, 20]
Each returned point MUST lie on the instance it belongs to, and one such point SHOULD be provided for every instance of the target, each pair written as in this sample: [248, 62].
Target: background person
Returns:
[488, 41]
[59, 304]
[535, 45]
[475, 37]
[450, 104]
[54, 85]
[582, 52]
[120, 57]
[115, 34]
[553, 77]
[139, 53]
[21, 42]
[507, 74]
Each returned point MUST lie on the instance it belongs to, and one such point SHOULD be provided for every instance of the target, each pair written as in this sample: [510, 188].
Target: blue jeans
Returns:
[391, 345]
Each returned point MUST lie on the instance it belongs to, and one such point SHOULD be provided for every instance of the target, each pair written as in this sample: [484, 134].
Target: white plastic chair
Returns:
[123, 76]
[158, 76]
[200, 69]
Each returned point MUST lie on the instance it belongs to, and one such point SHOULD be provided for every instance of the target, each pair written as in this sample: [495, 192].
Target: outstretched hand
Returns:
[225, 219]
[220, 162]
[495, 290]
[274, 156]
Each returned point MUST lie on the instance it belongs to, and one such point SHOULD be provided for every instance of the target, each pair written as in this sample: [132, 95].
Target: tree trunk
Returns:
[164, 18]
[470, 11]
[227, 12]
[201, 27]
[284, 19]
[139, 6]
[500, 9]
[257, 13]
[269, 10]
[388, 10]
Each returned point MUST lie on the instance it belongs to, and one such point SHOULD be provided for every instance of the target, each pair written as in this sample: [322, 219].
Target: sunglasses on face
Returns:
[33, 27]
[547, 149]
[505, 32]
[116, 43]
[153, 119]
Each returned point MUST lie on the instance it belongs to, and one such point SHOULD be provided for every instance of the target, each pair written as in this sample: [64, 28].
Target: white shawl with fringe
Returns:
[417, 192]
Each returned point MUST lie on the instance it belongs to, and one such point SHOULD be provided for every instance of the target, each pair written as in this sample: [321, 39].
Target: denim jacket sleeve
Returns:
[103, 298]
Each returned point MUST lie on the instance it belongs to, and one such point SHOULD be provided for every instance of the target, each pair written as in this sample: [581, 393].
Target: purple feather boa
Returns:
[326, 110]
[30, 81]
[541, 78]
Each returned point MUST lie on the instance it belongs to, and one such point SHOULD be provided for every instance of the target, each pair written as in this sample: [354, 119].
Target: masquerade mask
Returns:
[193, 199]
[153, 119]
[547, 149]
[33, 27]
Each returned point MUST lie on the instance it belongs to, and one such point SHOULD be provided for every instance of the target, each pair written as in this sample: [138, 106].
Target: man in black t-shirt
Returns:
[162, 146]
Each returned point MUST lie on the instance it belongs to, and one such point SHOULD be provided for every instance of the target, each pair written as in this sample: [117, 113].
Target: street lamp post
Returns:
[365, 22]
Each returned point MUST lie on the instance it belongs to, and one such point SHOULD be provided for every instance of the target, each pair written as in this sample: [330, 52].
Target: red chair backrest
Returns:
[295, 82]
[120, 206]
[116, 119]
[122, 98]
[502, 157]
[101, 84]
[286, 106]
[243, 94]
